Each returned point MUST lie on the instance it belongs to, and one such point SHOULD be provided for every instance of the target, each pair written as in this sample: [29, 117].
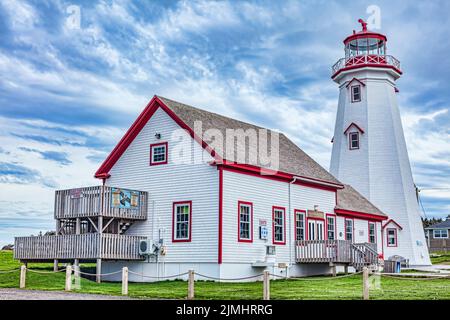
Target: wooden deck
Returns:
[335, 251]
[78, 246]
[98, 201]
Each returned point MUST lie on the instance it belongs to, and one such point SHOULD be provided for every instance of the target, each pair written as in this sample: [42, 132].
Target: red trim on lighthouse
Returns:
[356, 126]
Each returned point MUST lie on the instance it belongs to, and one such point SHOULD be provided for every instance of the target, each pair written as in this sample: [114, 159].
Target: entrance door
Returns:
[315, 229]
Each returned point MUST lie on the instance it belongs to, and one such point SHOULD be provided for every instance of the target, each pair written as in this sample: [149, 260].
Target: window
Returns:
[391, 237]
[245, 221]
[278, 217]
[331, 228]
[372, 233]
[158, 153]
[349, 229]
[353, 140]
[356, 93]
[440, 233]
[182, 220]
[299, 225]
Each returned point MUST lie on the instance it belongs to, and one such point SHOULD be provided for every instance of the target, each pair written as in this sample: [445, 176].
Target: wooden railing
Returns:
[336, 251]
[365, 59]
[322, 251]
[78, 246]
[97, 201]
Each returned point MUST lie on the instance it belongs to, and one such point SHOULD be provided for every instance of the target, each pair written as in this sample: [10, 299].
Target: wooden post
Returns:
[99, 271]
[365, 283]
[333, 269]
[191, 293]
[266, 285]
[68, 278]
[23, 276]
[76, 267]
[124, 281]
[55, 265]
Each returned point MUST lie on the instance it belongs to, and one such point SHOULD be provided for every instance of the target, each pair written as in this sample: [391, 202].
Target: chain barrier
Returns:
[9, 271]
[153, 277]
[316, 279]
[229, 279]
[46, 272]
[414, 277]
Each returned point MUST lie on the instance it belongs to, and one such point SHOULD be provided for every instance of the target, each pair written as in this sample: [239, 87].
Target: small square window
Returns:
[353, 140]
[158, 153]
[356, 93]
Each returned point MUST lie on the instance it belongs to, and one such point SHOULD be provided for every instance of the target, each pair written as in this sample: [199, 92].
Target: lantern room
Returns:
[365, 43]
[366, 49]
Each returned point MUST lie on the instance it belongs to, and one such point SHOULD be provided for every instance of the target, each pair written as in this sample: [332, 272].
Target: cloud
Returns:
[11, 173]
[59, 157]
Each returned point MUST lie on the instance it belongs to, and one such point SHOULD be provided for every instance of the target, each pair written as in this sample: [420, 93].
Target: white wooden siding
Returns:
[264, 194]
[169, 183]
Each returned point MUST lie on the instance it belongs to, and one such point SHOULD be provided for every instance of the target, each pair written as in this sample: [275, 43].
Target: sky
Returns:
[69, 90]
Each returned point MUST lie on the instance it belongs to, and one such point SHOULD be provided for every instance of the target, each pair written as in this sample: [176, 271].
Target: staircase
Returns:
[363, 255]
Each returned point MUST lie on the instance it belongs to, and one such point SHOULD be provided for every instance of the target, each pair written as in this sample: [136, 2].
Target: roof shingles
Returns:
[292, 159]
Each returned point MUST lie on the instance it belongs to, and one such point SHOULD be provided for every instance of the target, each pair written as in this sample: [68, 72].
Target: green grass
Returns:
[440, 258]
[326, 288]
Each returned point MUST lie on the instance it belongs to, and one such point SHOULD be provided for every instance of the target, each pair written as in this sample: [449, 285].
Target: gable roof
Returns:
[354, 125]
[394, 222]
[440, 225]
[357, 80]
[293, 162]
[351, 201]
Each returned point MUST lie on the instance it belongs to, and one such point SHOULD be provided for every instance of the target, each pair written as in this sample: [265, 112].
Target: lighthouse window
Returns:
[353, 138]
[356, 93]
[391, 237]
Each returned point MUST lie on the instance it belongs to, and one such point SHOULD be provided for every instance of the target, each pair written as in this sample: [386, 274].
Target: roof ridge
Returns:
[217, 114]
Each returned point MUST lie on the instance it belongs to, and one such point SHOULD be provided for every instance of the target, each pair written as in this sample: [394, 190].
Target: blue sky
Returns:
[68, 94]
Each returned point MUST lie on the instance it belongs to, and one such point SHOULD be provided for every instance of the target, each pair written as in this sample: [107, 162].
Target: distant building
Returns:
[437, 236]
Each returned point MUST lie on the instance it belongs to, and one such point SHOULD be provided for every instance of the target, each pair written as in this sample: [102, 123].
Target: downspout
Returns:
[290, 220]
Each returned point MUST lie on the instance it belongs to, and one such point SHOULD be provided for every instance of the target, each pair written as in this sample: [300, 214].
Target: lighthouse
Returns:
[369, 149]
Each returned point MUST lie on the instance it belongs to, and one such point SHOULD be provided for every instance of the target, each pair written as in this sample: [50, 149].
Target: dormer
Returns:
[355, 87]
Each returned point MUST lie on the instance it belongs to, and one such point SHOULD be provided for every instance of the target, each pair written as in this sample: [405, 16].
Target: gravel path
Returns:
[17, 294]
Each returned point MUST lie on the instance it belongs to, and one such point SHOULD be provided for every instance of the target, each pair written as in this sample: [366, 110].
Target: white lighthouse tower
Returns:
[369, 149]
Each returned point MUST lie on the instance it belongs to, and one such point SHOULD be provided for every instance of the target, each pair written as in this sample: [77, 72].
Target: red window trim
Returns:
[353, 228]
[387, 238]
[368, 231]
[273, 225]
[304, 223]
[350, 140]
[250, 204]
[190, 221]
[360, 93]
[326, 225]
[151, 155]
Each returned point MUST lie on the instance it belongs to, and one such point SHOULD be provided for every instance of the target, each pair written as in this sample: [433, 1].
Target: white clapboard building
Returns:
[227, 219]
[369, 149]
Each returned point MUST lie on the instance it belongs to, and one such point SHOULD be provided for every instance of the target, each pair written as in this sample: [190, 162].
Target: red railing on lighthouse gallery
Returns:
[368, 60]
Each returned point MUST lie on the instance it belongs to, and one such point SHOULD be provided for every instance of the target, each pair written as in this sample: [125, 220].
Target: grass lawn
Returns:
[440, 258]
[313, 288]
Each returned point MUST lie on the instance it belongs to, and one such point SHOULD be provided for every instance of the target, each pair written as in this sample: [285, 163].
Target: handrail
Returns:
[87, 202]
[365, 59]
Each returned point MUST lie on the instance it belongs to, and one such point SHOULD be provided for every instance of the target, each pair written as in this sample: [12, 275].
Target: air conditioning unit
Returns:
[147, 247]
